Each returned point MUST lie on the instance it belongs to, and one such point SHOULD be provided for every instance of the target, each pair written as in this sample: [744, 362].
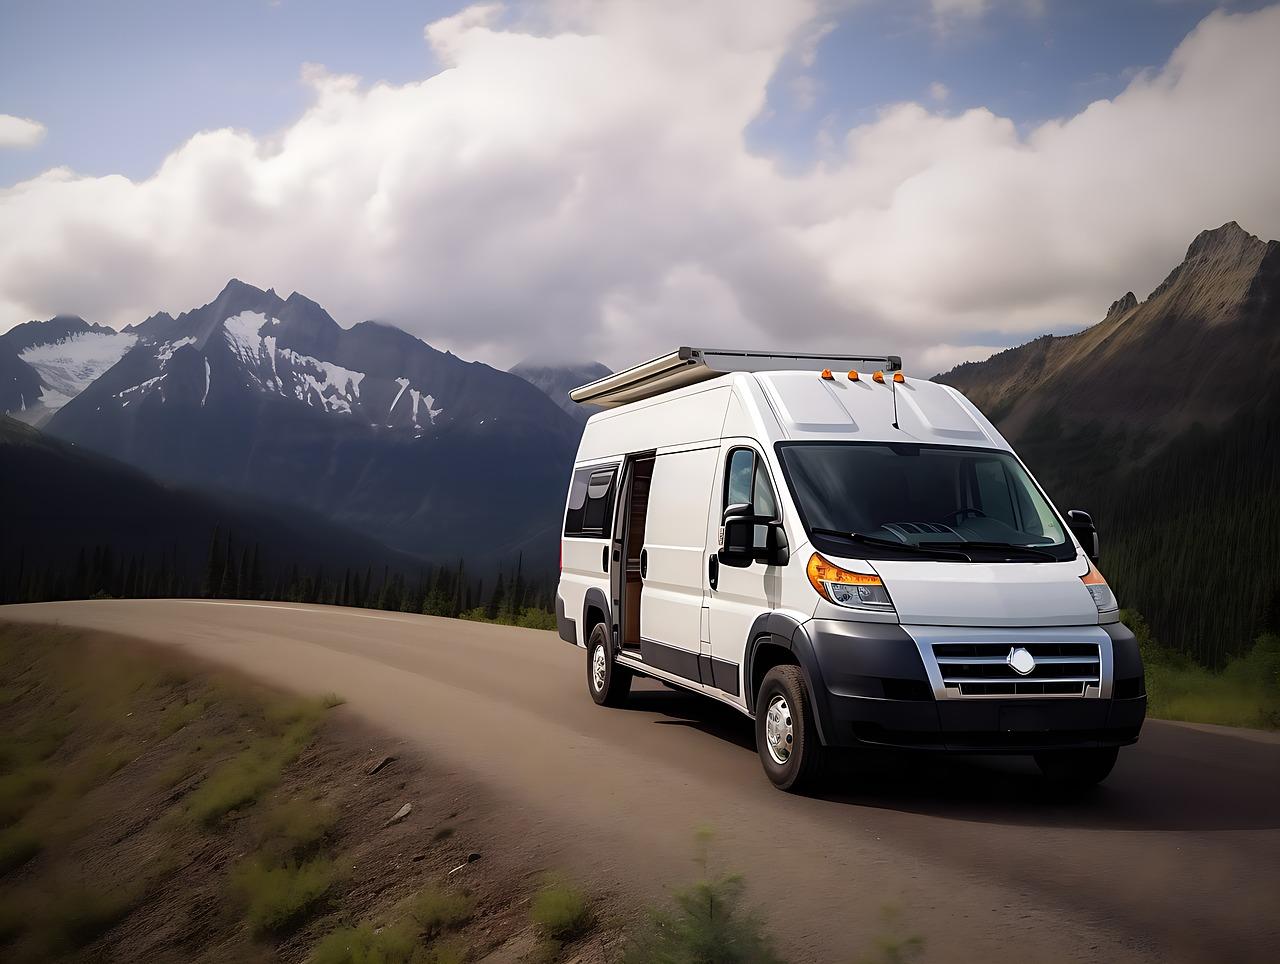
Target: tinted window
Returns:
[921, 495]
[590, 512]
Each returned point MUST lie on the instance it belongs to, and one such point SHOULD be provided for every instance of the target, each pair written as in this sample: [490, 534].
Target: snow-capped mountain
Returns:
[556, 381]
[369, 425]
[48, 363]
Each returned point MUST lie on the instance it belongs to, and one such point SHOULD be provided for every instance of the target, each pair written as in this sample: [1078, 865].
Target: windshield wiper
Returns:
[930, 551]
[999, 546]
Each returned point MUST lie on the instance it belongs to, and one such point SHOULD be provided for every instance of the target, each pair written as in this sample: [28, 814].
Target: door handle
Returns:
[644, 563]
[713, 571]
[604, 559]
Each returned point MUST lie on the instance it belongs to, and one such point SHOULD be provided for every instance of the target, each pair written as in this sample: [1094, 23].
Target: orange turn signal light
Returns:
[826, 373]
[899, 377]
[853, 376]
[1093, 577]
[878, 377]
[820, 571]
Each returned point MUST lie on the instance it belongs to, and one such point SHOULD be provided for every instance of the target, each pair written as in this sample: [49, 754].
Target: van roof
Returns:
[688, 366]
[792, 405]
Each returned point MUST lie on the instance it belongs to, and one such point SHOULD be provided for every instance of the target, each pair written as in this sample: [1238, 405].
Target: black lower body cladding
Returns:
[565, 626]
[870, 688]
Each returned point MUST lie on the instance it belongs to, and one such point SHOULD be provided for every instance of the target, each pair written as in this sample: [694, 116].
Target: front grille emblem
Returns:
[1020, 661]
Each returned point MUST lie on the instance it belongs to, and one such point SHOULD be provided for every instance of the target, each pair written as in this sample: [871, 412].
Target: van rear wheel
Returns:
[786, 734]
[608, 682]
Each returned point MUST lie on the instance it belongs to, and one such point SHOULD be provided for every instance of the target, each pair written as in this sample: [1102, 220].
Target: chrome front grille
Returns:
[978, 669]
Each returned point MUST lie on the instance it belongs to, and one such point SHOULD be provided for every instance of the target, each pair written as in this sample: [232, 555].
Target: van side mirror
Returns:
[1082, 527]
[738, 532]
[737, 536]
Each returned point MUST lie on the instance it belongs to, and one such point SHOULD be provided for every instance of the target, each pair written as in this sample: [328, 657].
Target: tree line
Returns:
[239, 569]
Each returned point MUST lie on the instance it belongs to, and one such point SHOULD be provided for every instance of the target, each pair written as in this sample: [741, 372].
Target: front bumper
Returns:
[871, 688]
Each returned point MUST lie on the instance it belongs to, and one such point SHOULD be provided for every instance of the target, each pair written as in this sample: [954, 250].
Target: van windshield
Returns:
[898, 501]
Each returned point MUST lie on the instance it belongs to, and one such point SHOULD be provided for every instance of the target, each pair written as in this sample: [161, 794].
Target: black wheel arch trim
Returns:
[595, 599]
[779, 629]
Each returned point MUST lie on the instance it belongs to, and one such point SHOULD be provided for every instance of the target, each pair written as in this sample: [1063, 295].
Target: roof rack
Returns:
[688, 366]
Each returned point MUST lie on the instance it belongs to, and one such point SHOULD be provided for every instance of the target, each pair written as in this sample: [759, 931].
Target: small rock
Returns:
[379, 764]
[472, 857]
[401, 814]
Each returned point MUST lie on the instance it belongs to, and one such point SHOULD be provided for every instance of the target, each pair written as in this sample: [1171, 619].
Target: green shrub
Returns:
[20, 790]
[237, 783]
[280, 898]
[297, 827]
[436, 910]
[708, 925]
[17, 846]
[1245, 693]
[364, 945]
[561, 911]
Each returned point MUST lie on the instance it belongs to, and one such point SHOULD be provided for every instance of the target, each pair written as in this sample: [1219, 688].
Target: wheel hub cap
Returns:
[599, 666]
[778, 732]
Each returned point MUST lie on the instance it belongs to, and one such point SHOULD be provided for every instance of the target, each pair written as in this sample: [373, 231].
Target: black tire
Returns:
[1077, 769]
[805, 756]
[612, 687]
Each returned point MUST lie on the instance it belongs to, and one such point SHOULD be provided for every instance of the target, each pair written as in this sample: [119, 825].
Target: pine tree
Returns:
[229, 581]
[213, 572]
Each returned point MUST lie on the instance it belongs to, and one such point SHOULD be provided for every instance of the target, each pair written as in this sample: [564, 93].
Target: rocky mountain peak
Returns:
[1228, 242]
[1128, 302]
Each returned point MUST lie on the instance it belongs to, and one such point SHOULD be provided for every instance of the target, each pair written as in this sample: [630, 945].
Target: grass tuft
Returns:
[79, 916]
[364, 945]
[280, 898]
[236, 784]
[560, 911]
[20, 790]
[17, 846]
[297, 828]
[331, 700]
[436, 910]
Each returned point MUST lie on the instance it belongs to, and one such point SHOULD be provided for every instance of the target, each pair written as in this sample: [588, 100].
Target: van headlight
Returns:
[1102, 595]
[853, 590]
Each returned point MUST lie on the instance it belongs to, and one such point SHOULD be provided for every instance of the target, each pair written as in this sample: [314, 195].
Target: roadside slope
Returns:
[1174, 859]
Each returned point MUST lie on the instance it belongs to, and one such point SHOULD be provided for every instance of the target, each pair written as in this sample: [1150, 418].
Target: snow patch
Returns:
[403, 383]
[287, 372]
[68, 366]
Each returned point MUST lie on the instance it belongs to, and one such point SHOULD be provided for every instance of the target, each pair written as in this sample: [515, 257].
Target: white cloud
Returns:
[582, 185]
[20, 131]
[939, 91]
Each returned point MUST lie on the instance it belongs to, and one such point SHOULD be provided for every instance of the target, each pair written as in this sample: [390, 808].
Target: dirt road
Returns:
[1176, 858]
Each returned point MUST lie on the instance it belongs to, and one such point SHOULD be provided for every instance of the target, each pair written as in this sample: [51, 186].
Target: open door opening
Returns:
[628, 550]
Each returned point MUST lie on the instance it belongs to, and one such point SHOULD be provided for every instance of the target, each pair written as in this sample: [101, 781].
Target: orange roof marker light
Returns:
[899, 377]
[826, 373]
[878, 377]
[853, 376]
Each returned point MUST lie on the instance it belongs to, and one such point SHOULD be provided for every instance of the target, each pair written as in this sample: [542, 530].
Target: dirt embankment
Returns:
[153, 810]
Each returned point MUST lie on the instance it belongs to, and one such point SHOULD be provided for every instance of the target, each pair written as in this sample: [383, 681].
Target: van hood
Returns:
[987, 594]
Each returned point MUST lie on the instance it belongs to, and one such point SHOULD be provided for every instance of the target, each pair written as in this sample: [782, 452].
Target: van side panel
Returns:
[691, 417]
[675, 550]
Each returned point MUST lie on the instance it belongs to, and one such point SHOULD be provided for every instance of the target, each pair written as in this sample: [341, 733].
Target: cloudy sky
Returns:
[610, 178]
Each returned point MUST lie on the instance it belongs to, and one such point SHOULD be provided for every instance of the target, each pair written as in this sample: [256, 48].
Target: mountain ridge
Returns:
[1161, 420]
[368, 425]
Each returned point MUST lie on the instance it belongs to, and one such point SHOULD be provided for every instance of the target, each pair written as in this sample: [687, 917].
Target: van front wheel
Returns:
[608, 682]
[786, 735]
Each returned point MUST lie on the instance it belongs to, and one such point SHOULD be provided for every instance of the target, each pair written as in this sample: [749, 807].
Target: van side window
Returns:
[590, 512]
[747, 480]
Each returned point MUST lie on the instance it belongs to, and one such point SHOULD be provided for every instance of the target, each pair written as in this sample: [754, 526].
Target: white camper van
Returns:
[848, 556]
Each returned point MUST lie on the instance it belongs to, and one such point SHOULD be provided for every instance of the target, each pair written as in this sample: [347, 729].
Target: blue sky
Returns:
[119, 85]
